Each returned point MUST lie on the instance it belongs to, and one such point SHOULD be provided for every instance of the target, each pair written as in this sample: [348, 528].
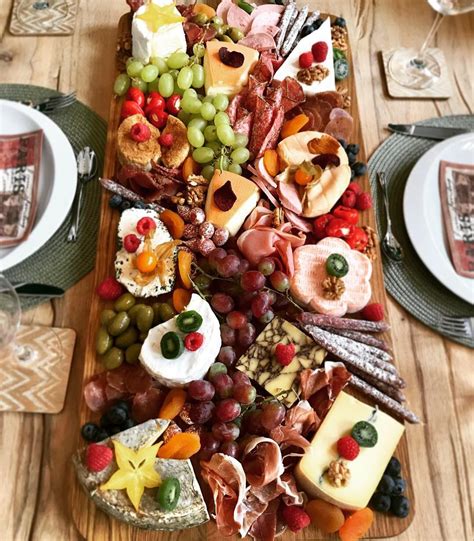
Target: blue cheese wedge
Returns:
[291, 67]
[191, 509]
[365, 471]
[259, 362]
[126, 271]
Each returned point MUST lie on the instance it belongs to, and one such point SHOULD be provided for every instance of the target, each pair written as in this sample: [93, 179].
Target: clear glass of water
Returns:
[419, 68]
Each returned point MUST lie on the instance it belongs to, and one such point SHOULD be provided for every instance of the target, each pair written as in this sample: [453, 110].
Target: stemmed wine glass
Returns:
[420, 69]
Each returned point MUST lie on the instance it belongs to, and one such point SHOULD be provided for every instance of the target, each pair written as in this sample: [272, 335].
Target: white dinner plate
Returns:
[57, 179]
[423, 214]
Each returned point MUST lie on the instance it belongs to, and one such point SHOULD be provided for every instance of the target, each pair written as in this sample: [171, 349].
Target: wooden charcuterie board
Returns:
[90, 521]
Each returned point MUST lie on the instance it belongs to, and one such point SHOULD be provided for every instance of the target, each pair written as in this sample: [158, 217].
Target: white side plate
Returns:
[57, 179]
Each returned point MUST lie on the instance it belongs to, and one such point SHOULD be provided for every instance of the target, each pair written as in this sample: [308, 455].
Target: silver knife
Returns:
[427, 132]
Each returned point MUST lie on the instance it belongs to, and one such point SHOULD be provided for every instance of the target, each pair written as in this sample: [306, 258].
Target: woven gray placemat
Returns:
[58, 262]
[410, 283]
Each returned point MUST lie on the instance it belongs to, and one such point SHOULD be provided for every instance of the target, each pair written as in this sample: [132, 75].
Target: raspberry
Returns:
[348, 448]
[110, 289]
[364, 201]
[295, 517]
[140, 133]
[284, 353]
[193, 341]
[146, 225]
[373, 312]
[354, 187]
[131, 243]
[166, 139]
[306, 59]
[320, 51]
[349, 199]
[98, 457]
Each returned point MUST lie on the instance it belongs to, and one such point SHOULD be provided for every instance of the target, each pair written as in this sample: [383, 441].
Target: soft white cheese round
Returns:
[190, 365]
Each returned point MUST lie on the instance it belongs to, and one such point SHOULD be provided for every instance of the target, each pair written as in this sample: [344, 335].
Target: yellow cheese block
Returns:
[247, 194]
[223, 79]
[322, 195]
[366, 470]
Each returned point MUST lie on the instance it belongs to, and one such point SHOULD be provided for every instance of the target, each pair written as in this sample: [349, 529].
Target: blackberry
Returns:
[307, 30]
[386, 485]
[116, 416]
[394, 467]
[400, 506]
[380, 502]
[399, 486]
[101, 435]
[115, 201]
[125, 205]
[351, 157]
[353, 149]
[340, 21]
[343, 143]
[114, 429]
[139, 205]
[89, 431]
[317, 23]
[360, 169]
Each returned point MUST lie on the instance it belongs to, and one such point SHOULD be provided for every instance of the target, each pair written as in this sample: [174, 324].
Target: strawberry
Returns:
[373, 312]
[364, 201]
[320, 51]
[348, 448]
[110, 289]
[295, 517]
[306, 59]
[284, 353]
[98, 457]
[140, 132]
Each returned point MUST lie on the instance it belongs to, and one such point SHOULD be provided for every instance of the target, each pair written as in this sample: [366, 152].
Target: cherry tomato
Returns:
[153, 100]
[130, 108]
[319, 225]
[357, 239]
[158, 117]
[136, 95]
[146, 261]
[338, 228]
[346, 213]
[173, 104]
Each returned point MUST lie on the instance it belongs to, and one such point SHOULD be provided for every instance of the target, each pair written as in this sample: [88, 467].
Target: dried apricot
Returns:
[173, 222]
[184, 268]
[290, 127]
[357, 525]
[182, 445]
[325, 516]
[204, 8]
[190, 167]
[173, 404]
[271, 162]
[181, 298]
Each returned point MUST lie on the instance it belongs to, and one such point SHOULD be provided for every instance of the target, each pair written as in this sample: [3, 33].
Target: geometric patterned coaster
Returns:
[47, 17]
[440, 89]
[34, 377]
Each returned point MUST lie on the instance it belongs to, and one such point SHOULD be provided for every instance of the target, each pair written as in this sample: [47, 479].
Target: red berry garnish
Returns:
[146, 225]
[158, 117]
[295, 517]
[193, 341]
[136, 95]
[110, 289]
[131, 243]
[373, 312]
[320, 51]
[173, 104]
[284, 353]
[98, 457]
[354, 187]
[349, 199]
[364, 201]
[140, 132]
[306, 60]
[348, 448]
[166, 139]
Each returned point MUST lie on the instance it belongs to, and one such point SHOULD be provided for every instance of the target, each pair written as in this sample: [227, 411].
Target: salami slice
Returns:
[258, 41]
[244, 123]
[340, 128]
[293, 93]
[314, 123]
[138, 380]
[323, 108]
[271, 137]
[337, 112]
[146, 405]
[260, 129]
[94, 394]
[332, 97]
[234, 105]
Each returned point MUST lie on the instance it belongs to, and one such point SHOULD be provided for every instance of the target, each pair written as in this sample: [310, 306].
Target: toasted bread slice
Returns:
[175, 155]
[131, 152]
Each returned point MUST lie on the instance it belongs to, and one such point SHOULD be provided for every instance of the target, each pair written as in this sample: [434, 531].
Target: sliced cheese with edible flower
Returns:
[366, 469]
[291, 66]
[189, 365]
[161, 280]
[157, 31]
[223, 79]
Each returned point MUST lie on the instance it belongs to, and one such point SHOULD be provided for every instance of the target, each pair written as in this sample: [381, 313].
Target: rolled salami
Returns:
[345, 324]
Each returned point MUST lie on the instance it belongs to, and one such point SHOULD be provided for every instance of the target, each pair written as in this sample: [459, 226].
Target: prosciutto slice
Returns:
[262, 462]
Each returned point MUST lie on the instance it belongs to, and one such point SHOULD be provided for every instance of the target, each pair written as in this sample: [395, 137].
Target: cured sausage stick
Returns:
[389, 390]
[285, 23]
[117, 188]
[361, 337]
[345, 324]
[386, 401]
[294, 31]
[332, 344]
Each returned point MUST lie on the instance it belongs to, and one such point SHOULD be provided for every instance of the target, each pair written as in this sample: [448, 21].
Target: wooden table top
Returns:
[35, 449]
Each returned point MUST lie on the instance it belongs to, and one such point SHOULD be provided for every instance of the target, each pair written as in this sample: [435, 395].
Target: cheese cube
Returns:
[366, 470]
[247, 195]
[223, 79]
[259, 362]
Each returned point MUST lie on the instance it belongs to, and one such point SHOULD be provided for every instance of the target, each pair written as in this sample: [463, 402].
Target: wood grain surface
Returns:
[35, 449]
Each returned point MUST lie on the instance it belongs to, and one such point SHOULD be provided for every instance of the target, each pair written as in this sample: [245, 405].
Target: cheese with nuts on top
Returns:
[259, 361]
[366, 469]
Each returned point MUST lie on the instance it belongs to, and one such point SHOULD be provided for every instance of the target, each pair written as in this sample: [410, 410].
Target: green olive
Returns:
[142, 336]
[127, 338]
[113, 358]
[236, 34]
[226, 28]
[132, 353]
[218, 29]
[156, 313]
[119, 324]
[124, 302]
[225, 38]
[106, 316]
[103, 341]
[200, 19]
[134, 310]
[166, 312]
[145, 319]
[217, 20]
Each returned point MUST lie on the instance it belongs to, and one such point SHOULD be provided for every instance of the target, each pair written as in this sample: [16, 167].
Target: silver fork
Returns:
[457, 326]
[51, 105]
